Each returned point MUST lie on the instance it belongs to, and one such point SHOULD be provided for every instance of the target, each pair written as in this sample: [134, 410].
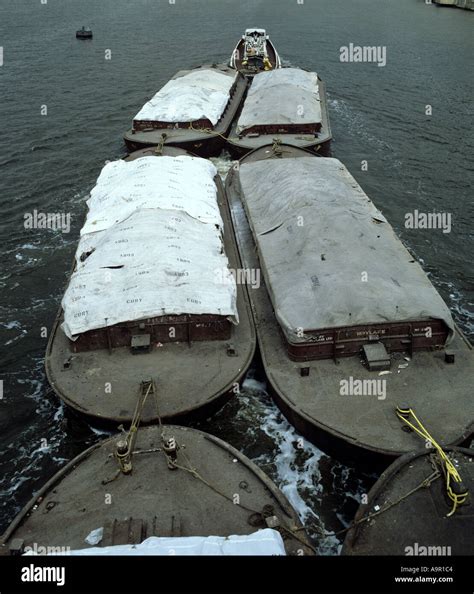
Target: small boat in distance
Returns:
[254, 53]
[84, 33]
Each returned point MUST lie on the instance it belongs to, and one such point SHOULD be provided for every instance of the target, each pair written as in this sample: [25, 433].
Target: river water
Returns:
[64, 108]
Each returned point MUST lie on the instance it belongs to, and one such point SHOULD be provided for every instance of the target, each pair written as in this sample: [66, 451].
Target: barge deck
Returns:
[177, 476]
[192, 378]
[358, 428]
[205, 142]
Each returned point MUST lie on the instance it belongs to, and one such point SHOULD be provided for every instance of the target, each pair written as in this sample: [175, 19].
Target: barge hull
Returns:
[202, 143]
[239, 147]
[192, 379]
[154, 500]
[419, 520]
[360, 430]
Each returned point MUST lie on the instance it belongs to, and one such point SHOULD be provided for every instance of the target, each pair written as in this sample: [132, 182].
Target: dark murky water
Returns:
[50, 162]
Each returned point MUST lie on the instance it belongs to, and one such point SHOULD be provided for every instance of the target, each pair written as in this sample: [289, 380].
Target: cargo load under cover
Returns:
[329, 257]
[174, 183]
[285, 96]
[156, 250]
[196, 95]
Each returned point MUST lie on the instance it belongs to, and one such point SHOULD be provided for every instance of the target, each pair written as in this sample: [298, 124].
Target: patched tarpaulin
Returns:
[157, 259]
[198, 94]
[319, 238]
[281, 96]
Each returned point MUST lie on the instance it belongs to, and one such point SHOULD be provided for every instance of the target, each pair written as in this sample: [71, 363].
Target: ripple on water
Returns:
[50, 163]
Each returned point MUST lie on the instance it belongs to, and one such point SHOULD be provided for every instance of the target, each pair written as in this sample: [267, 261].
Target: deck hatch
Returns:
[376, 356]
[140, 343]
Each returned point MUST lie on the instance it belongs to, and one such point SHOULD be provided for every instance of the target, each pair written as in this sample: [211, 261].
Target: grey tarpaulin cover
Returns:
[317, 232]
[281, 96]
[151, 246]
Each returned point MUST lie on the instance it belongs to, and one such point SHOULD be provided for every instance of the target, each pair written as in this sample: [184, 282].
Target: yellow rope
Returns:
[161, 144]
[451, 474]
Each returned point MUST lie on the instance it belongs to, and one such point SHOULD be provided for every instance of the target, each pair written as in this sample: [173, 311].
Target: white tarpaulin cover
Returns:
[317, 233]
[174, 183]
[198, 94]
[281, 96]
[262, 542]
[157, 258]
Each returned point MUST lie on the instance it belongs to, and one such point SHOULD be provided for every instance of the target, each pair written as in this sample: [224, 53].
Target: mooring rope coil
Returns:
[455, 488]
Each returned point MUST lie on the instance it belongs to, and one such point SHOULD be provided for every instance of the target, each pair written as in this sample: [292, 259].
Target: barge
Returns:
[348, 324]
[409, 511]
[153, 495]
[193, 111]
[287, 106]
[152, 303]
[254, 53]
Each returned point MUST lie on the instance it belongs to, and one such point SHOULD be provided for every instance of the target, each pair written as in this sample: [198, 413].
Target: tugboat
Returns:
[254, 53]
[84, 33]
[173, 490]
[349, 326]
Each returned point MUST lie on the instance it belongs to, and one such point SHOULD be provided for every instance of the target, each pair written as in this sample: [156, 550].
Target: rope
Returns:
[276, 149]
[207, 131]
[172, 460]
[424, 483]
[458, 495]
[193, 472]
[455, 488]
[124, 457]
[160, 145]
